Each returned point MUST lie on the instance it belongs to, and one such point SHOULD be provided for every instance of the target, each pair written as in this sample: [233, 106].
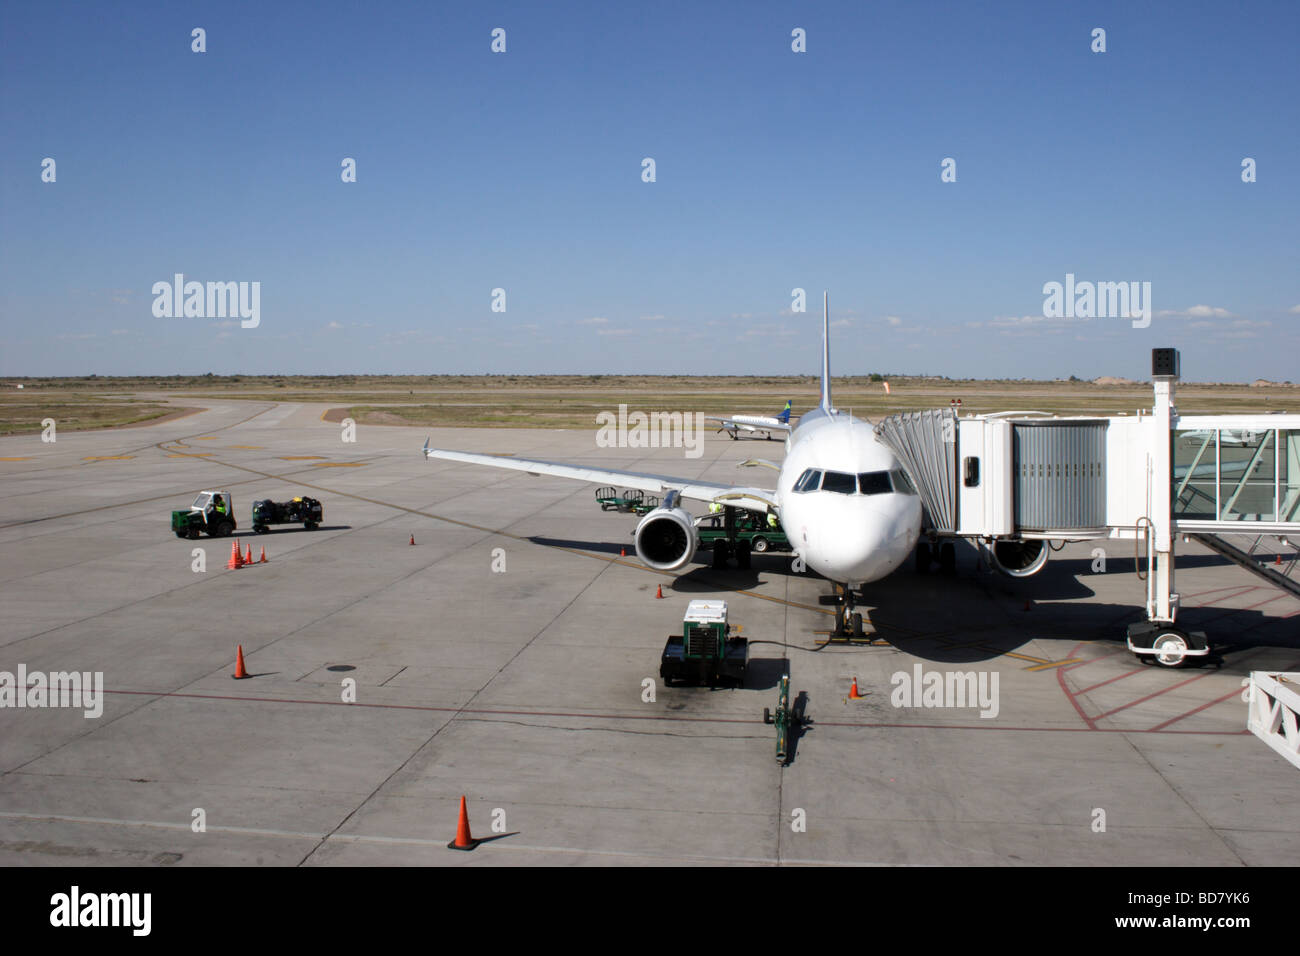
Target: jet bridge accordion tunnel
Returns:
[1014, 482]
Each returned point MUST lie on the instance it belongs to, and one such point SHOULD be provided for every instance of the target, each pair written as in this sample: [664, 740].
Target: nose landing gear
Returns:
[848, 622]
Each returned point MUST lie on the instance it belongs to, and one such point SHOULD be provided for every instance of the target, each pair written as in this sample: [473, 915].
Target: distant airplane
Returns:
[751, 425]
[842, 498]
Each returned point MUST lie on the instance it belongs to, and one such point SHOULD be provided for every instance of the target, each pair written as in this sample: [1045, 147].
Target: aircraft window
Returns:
[840, 483]
[809, 480]
[875, 483]
[902, 484]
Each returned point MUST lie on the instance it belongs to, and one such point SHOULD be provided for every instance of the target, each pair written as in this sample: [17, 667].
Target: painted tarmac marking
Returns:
[490, 712]
[109, 458]
[1050, 664]
[415, 841]
[16, 459]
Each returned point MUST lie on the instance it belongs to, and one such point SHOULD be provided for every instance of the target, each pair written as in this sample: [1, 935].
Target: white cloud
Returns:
[594, 320]
[893, 320]
[1294, 310]
[1196, 312]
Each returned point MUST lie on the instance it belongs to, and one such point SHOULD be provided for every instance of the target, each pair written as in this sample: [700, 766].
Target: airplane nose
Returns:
[865, 545]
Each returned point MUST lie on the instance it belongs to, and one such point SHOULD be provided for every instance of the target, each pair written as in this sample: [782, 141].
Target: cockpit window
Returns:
[902, 484]
[874, 483]
[809, 480]
[839, 482]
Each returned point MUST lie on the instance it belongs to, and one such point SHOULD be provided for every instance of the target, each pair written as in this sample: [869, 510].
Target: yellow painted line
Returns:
[340, 464]
[299, 457]
[249, 447]
[109, 458]
[16, 459]
[1022, 657]
[1051, 664]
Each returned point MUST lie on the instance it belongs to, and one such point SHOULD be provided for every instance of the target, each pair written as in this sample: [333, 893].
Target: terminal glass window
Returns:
[840, 483]
[1196, 458]
[809, 480]
[1288, 475]
[1247, 474]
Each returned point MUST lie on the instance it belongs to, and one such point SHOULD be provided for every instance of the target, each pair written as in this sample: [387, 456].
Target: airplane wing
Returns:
[751, 499]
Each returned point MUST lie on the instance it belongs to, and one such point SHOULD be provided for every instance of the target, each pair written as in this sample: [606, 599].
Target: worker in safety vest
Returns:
[714, 507]
[218, 507]
[771, 519]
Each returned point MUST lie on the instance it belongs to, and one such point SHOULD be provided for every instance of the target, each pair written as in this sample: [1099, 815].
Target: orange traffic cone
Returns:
[853, 691]
[240, 673]
[262, 559]
[463, 840]
[622, 552]
[248, 558]
[235, 561]
[660, 592]
[412, 537]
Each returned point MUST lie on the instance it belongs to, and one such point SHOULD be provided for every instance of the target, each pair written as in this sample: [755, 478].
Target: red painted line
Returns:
[1060, 680]
[1197, 710]
[1228, 612]
[701, 720]
[1099, 657]
[1238, 588]
[1163, 690]
[432, 709]
[1111, 680]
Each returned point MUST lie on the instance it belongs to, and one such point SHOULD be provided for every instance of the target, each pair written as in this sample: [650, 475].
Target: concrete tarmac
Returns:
[503, 657]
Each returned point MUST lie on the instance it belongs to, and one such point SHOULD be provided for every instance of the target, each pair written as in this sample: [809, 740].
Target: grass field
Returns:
[555, 401]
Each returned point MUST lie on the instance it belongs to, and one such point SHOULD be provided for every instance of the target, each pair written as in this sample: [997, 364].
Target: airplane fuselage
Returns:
[845, 503]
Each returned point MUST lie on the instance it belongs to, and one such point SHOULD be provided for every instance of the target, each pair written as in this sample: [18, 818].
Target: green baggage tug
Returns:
[213, 513]
[705, 652]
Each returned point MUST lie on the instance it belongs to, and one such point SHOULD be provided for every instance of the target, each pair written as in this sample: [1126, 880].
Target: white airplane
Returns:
[753, 424]
[841, 496]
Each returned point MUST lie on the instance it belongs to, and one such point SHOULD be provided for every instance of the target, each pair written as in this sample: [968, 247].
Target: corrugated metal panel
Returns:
[926, 446]
[1060, 475]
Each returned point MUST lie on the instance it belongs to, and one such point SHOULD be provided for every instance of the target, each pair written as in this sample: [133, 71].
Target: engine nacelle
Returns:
[666, 539]
[1019, 559]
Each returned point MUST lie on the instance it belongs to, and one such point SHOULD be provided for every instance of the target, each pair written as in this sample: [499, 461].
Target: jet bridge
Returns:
[1014, 481]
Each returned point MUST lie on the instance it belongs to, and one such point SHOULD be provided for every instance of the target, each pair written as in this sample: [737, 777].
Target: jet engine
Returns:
[1019, 559]
[666, 539]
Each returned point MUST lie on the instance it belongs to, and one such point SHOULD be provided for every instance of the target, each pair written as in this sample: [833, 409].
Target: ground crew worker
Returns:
[714, 507]
[771, 519]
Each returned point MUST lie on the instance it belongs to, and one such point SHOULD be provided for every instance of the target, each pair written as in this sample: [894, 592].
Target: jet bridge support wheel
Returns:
[923, 557]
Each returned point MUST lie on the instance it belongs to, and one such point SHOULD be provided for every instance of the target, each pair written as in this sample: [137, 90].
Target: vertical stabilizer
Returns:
[826, 353]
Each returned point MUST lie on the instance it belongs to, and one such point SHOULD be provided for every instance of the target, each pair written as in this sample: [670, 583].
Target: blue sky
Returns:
[775, 170]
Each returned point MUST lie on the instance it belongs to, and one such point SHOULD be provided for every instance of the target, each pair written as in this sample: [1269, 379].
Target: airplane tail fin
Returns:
[784, 417]
[826, 354]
